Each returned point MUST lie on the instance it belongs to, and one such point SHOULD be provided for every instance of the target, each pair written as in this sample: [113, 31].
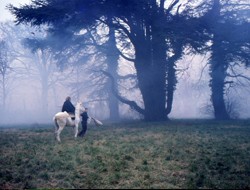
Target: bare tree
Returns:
[36, 65]
[4, 70]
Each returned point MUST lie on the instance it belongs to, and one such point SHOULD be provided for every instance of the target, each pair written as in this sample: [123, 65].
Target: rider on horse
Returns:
[69, 107]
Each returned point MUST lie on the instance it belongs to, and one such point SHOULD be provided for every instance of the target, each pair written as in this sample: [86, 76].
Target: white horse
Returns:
[62, 119]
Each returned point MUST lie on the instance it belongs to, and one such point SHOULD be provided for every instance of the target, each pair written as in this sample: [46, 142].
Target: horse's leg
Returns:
[59, 132]
[73, 124]
[76, 129]
[56, 126]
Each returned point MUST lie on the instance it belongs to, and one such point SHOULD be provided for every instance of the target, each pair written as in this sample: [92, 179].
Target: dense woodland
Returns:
[152, 35]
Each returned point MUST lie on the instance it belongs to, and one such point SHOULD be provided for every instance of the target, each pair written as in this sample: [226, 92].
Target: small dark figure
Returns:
[68, 106]
[84, 122]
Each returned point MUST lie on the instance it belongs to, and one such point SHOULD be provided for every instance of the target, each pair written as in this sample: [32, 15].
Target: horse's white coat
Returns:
[62, 119]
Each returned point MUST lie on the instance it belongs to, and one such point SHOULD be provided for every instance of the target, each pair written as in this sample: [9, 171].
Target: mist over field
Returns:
[166, 84]
[191, 96]
[42, 65]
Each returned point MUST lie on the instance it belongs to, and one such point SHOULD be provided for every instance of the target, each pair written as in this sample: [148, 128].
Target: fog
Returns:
[23, 104]
[37, 85]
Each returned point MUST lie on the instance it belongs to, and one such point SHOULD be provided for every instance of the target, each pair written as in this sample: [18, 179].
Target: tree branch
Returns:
[132, 104]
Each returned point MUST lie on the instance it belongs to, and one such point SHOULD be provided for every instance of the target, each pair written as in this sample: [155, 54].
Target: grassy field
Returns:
[176, 154]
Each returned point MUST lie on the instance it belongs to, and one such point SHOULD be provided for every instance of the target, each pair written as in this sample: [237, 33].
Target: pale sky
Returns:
[4, 13]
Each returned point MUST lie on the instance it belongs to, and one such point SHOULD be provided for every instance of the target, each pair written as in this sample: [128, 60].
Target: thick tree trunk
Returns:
[171, 76]
[150, 65]
[113, 102]
[218, 68]
[171, 82]
[217, 87]
[151, 77]
[218, 75]
[113, 108]
[112, 60]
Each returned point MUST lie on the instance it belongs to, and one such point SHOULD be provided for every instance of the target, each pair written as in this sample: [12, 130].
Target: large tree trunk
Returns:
[217, 88]
[171, 82]
[150, 64]
[151, 75]
[112, 60]
[113, 102]
[171, 76]
[218, 66]
[149, 39]
[218, 75]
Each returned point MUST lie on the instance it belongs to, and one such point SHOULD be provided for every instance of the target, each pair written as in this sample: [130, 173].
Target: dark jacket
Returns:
[84, 116]
[68, 107]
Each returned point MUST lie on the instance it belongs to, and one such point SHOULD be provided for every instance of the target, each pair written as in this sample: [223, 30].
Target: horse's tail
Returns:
[56, 124]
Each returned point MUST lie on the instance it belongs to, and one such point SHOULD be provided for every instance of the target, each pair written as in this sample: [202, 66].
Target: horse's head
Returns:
[79, 106]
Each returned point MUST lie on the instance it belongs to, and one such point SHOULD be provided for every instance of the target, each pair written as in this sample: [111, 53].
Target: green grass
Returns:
[177, 154]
